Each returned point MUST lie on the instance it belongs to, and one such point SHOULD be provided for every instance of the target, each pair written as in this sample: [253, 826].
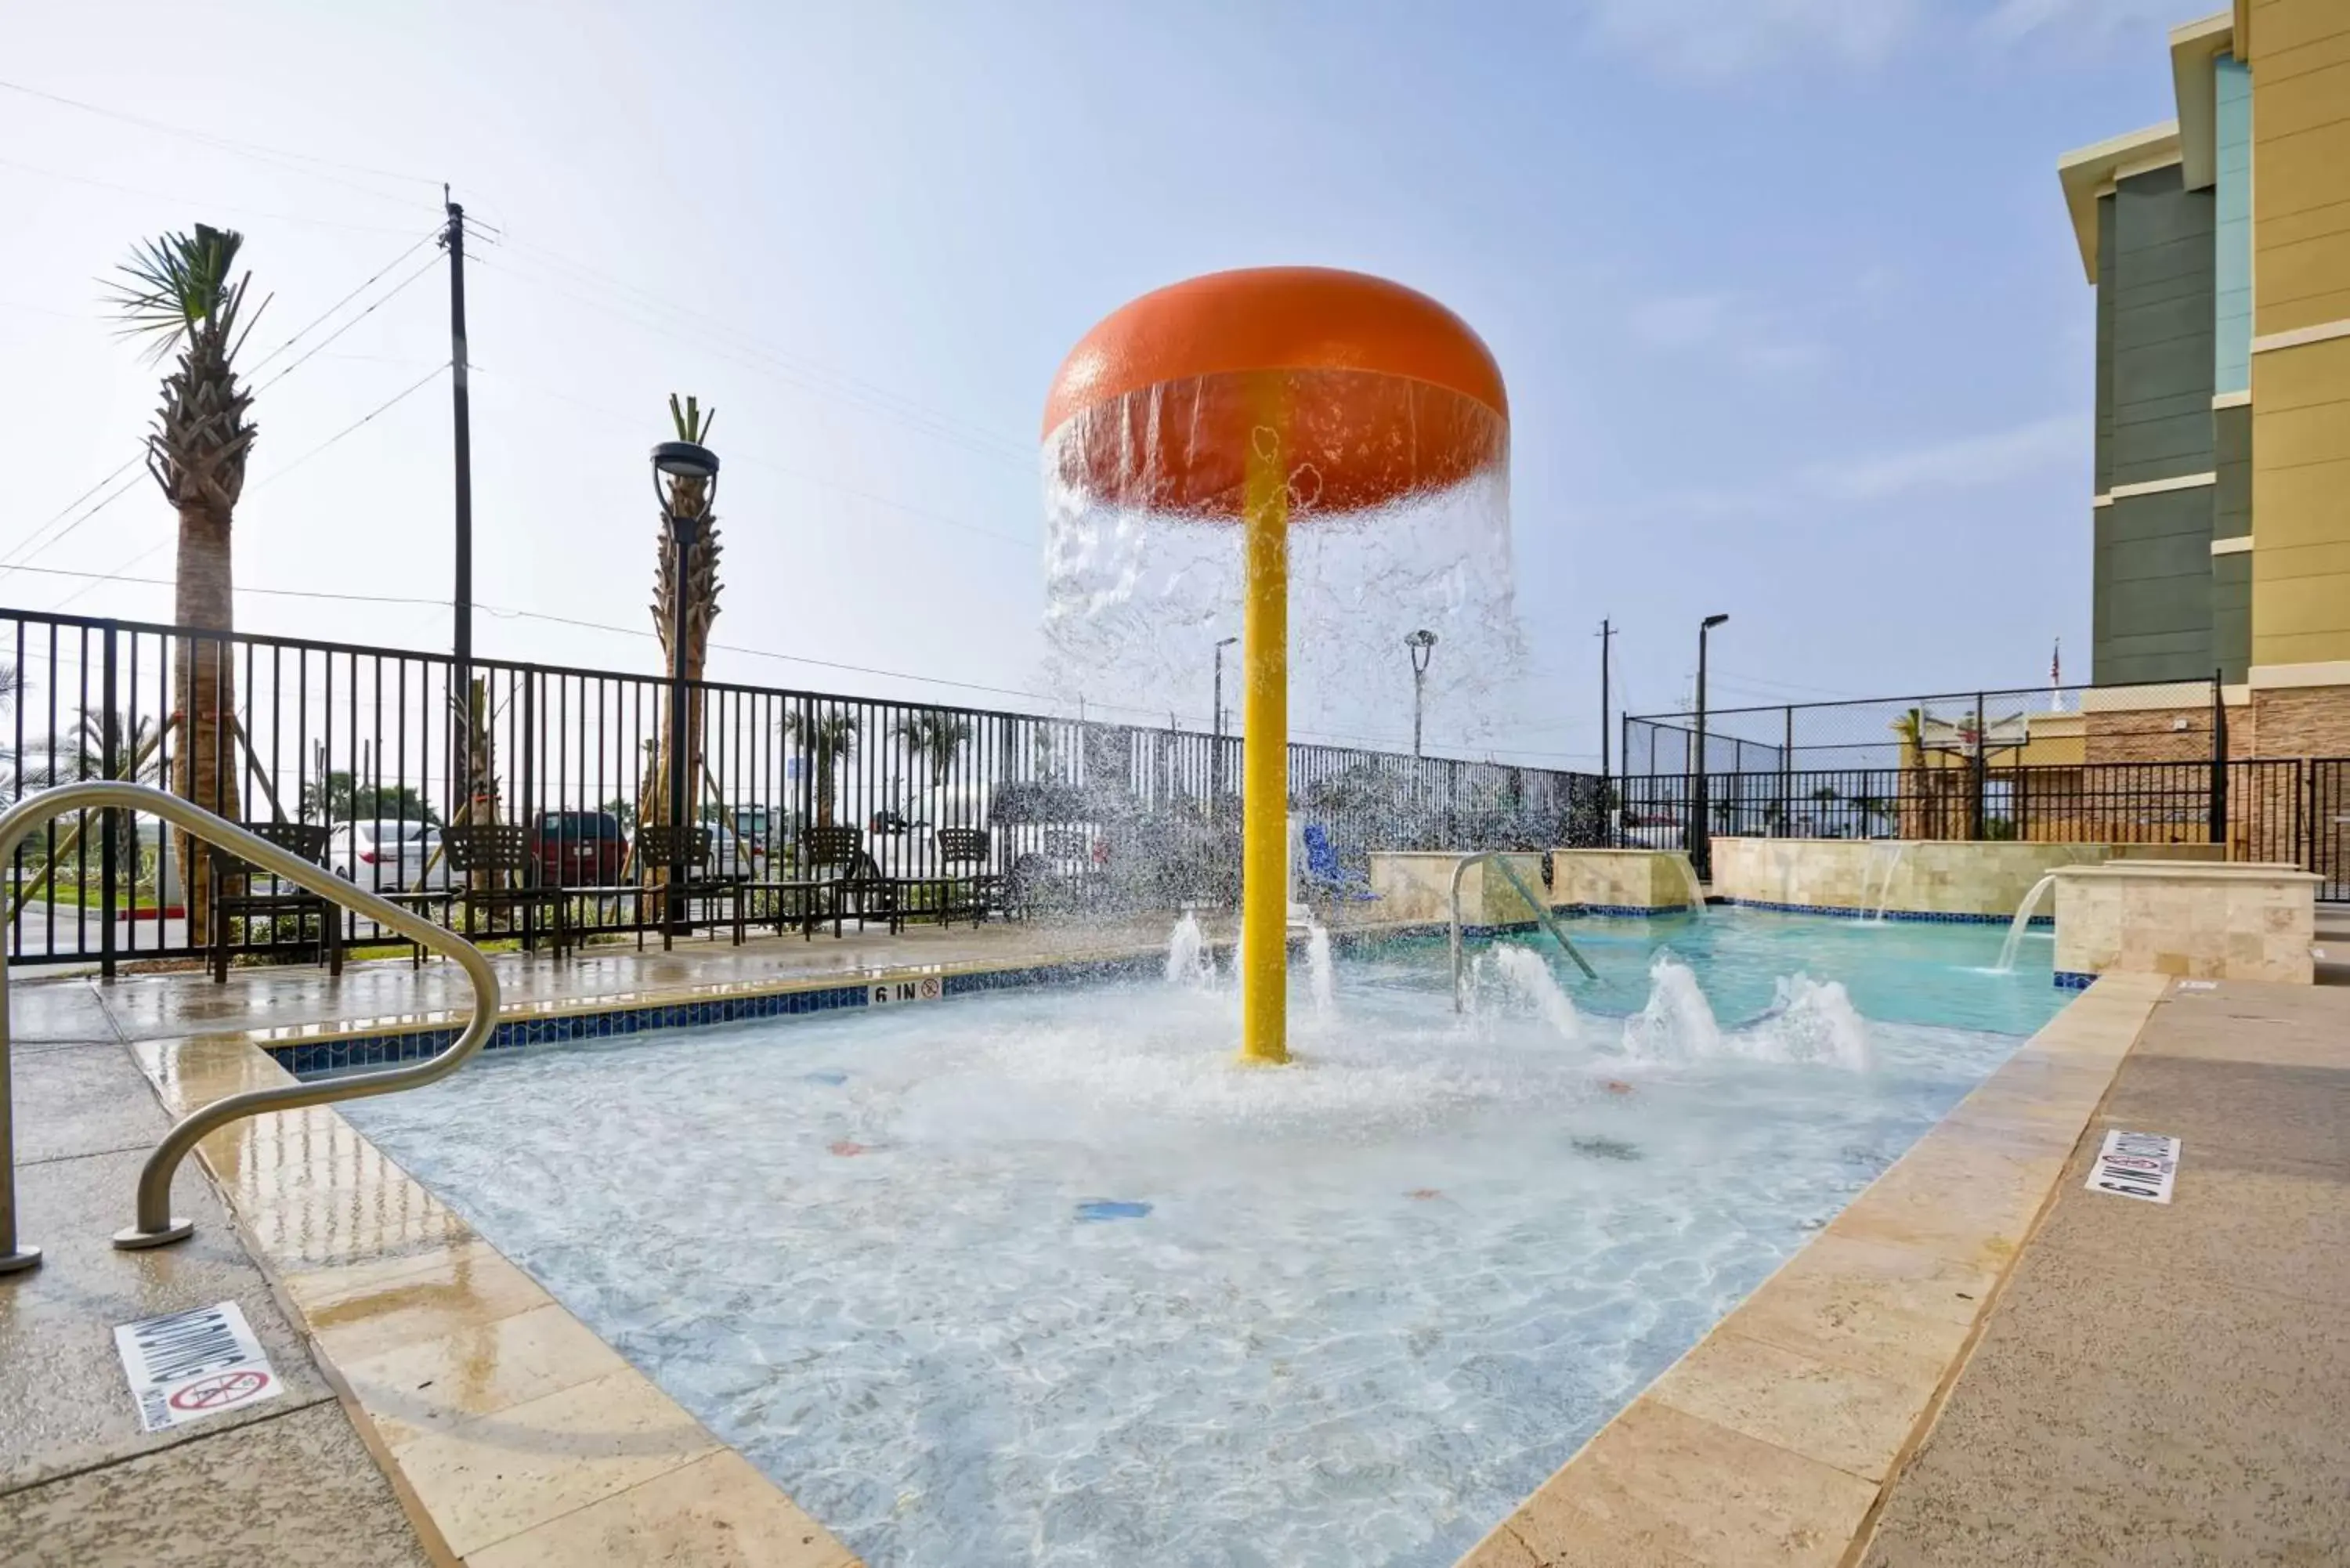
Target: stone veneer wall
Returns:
[1620, 878]
[2300, 721]
[1941, 877]
[1416, 885]
[2204, 922]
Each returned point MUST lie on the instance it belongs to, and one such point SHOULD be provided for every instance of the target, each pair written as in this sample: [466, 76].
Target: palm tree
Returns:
[937, 736]
[687, 497]
[825, 738]
[177, 293]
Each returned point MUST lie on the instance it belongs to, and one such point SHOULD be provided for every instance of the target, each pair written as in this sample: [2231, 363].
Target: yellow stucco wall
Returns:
[2300, 53]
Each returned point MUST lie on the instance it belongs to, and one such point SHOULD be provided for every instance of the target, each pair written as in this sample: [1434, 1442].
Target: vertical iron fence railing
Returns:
[377, 747]
[2292, 811]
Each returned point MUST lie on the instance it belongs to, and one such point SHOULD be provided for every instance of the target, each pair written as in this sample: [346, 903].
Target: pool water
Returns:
[1044, 1277]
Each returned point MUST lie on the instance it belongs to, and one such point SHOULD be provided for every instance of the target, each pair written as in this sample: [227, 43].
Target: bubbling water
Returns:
[1187, 960]
[1526, 973]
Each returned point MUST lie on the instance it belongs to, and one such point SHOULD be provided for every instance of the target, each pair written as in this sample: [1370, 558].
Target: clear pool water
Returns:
[1043, 1277]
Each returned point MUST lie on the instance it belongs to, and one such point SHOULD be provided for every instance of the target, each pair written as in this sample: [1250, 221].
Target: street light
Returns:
[1419, 644]
[1701, 841]
[680, 460]
[1216, 746]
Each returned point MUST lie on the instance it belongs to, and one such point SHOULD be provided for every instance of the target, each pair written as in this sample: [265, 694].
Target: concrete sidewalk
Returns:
[2164, 1384]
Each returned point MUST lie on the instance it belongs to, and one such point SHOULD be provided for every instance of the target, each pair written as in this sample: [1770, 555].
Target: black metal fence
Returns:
[1093, 816]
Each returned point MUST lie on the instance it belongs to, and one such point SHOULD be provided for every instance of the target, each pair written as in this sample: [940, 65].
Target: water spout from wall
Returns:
[2023, 921]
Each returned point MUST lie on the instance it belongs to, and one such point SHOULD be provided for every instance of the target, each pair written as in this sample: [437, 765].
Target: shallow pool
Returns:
[1044, 1277]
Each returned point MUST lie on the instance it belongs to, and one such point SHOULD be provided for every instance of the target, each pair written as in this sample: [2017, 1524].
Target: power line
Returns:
[856, 385]
[33, 544]
[281, 157]
[941, 518]
[207, 203]
[412, 387]
[376, 305]
[427, 239]
[762, 362]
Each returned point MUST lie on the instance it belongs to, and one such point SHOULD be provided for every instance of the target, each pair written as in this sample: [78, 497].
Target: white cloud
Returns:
[1965, 463]
[1721, 324]
[2090, 22]
[1712, 39]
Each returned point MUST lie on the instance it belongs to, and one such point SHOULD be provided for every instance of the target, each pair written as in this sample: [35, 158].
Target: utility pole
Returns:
[461, 645]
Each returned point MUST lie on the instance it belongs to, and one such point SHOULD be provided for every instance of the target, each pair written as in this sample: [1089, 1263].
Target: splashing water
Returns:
[1525, 972]
[1322, 981]
[1135, 602]
[1678, 1023]
[1809, 1021]
[1187, 960]
[2021, 922]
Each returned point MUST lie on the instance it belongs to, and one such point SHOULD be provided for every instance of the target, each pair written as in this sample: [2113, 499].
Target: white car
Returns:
[386, 855]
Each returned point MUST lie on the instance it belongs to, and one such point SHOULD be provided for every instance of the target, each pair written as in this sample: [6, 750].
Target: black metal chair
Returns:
[494, 870]
[966, 885]
[656, 855]
[283, 899]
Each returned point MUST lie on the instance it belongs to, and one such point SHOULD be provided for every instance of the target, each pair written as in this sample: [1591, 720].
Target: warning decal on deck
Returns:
[2136, 1165]
[193, 1364]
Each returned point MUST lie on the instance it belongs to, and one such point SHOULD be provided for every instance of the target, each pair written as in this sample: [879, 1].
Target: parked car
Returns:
[1654, 831]
[578, 848]
[746, 849]
[388, 855]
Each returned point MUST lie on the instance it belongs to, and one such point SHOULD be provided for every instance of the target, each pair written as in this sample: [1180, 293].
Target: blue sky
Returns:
[1783, 291]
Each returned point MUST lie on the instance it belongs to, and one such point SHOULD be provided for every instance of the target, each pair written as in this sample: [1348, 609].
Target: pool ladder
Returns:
[1541, 907]
[155, 1225]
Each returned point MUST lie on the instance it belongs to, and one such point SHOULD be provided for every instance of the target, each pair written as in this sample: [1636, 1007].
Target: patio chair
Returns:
[657, 851]
[493, 869]
[838, 860]
[966, 886]
[1323, 873]
[283, 899]
[829, 858]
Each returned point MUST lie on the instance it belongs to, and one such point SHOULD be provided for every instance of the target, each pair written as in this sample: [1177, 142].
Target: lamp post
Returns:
[681, 460]
[1700, 840]
[1419, 644]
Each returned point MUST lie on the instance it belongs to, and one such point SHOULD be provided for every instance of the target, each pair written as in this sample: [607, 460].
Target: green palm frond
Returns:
[691, 423]
[175, 285]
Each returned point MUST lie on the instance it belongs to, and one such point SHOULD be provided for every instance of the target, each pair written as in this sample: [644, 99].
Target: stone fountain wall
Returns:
[1986, 879]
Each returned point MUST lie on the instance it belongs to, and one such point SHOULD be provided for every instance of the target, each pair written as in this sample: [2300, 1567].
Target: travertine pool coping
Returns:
[513, 1434]
[519, 1439]
[1771, 1441]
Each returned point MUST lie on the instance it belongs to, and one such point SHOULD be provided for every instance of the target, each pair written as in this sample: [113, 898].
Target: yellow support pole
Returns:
[1265, 755]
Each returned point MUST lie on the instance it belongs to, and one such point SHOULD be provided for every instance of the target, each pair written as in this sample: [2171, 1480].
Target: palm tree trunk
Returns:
[204, 696]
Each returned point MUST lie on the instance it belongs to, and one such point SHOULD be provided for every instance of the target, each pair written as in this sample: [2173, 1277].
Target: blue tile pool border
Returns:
[2074, 979]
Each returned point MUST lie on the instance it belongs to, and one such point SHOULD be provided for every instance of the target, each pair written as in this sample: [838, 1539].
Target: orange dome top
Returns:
[1379, 392]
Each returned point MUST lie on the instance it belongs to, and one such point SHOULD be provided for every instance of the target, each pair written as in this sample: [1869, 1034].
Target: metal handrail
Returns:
[1541, 912]
[156, 1225]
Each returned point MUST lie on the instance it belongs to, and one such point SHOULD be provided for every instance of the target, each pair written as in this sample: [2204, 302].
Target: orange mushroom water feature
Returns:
[1270, 396]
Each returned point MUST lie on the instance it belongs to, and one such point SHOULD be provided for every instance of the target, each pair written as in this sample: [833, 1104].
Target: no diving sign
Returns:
[190, 1365]
[2136, 1165]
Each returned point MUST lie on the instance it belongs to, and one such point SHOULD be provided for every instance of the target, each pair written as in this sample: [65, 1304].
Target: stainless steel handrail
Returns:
[155, 1224]
[1541, 912]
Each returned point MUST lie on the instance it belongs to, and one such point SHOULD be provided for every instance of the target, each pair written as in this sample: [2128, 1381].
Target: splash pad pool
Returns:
[1044, 1277]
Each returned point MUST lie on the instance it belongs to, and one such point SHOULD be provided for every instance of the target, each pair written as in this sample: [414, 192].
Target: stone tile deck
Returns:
[2164, 1384]
[288, 1481]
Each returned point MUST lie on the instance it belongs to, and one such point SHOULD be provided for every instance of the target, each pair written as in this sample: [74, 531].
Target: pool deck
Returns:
[1926, 1374]
[1980, 1361]
[2166, 1382]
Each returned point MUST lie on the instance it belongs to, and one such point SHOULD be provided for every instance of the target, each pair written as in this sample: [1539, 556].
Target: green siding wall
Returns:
[2154, 607]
